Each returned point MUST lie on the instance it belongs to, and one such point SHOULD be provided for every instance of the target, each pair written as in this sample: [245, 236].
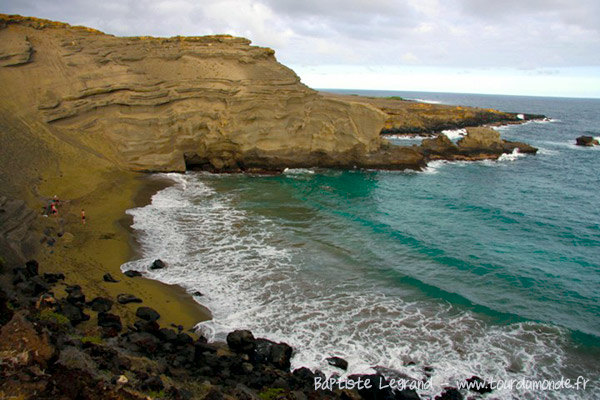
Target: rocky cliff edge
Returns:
[157, 104]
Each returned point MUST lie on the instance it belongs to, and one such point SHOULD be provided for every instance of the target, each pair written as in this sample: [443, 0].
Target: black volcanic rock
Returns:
[101, 304]
[145, 342]
[132, 274]
[147, 314]
[338, 362]
[158, 264]
[108, 320]
[128, 298]
[108, 278]
[587, 141]
[450, 393]
[478, 385]
[168, 335]
[241, 341]
[147, 326]
[74, 313]
[54, 278]
[76, 296]
[32, 267]
[276, 354]
[6, 313]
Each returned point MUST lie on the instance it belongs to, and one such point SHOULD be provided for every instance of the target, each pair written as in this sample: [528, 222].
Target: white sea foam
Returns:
[427, 101]
[252, 279]
[547, 152]
[454, 134]
[298, 171]
[533, 121]
[407, 137]
[512, 156]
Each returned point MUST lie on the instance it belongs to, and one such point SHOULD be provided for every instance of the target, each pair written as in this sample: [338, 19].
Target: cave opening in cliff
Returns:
[193, 162]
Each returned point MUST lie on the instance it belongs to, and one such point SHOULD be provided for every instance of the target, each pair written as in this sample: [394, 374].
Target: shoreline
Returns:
[84, 253]
[150, 184]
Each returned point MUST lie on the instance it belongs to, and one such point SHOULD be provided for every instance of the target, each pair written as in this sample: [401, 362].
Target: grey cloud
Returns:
[357, 19]
[583, 13]
[455, 33]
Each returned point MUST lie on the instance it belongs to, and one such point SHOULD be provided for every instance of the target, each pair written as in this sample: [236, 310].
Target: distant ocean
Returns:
[486, 268]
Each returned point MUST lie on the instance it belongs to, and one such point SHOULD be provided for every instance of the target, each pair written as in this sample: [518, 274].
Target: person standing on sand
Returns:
[83, 216]
[53, 209]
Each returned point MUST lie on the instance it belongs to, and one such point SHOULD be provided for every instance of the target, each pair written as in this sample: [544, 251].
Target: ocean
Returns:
[487, 268]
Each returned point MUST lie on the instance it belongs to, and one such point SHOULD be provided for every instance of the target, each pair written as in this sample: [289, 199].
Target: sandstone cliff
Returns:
[145, 103]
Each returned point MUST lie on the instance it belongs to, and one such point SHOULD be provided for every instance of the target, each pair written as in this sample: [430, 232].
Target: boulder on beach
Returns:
[147, 314]
[101, 304]
[108, 278]
[128, 298]
[132, 274]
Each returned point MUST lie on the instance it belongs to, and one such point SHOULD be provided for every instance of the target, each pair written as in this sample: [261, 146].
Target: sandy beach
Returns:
[84, 253]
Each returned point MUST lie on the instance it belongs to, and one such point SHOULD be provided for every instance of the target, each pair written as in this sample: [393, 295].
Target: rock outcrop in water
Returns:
[587, 141]
[478, 144]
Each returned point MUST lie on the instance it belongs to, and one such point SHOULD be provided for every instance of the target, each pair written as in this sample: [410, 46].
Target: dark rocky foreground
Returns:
[48, 352]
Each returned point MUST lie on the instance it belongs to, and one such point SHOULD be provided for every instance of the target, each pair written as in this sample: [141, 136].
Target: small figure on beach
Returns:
[53, 209]
[83, 216]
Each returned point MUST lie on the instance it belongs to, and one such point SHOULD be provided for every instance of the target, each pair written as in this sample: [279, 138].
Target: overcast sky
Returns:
[529, 47]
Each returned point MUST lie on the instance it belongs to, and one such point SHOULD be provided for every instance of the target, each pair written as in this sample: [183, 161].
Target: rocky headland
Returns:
[409, 117]
[82, 113]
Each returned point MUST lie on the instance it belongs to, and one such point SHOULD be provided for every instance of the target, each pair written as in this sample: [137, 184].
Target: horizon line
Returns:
[467, 93]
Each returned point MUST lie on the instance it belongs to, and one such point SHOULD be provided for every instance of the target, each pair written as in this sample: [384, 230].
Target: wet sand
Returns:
[84, 253]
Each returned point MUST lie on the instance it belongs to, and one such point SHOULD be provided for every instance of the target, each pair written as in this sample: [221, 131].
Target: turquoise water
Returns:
[487, 268]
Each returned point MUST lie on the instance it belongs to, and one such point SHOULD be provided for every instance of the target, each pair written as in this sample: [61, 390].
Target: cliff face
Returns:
[153, 103]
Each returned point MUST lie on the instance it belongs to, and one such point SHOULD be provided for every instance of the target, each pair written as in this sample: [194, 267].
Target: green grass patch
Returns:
[153, 394]
[92, 339]
[53, 317]
[272, 394]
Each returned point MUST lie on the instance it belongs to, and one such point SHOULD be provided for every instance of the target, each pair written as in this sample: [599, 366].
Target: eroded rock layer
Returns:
[153, 103]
